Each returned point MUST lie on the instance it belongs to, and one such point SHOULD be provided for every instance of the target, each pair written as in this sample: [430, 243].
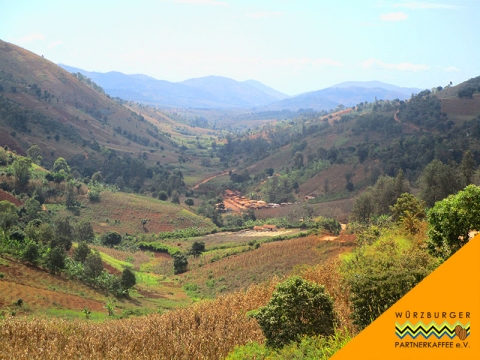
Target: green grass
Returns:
[117, 264]
[76, 314]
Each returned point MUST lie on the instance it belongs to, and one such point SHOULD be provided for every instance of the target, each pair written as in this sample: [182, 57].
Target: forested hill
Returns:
[334, 155]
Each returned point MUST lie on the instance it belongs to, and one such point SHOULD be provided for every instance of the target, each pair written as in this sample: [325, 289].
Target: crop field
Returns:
[257, 265]
[207, 330]
[463, 109]
[41, 291]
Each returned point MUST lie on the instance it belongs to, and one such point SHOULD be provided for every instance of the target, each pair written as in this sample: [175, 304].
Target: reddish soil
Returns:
[4, 196]
[415, 127]
[111, 269]
[41, 290]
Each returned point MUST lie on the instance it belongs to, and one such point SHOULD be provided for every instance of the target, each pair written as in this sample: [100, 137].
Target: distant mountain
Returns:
[266, 89]
[310, 100]
[348, 93]
[205, 92]
[378, 84]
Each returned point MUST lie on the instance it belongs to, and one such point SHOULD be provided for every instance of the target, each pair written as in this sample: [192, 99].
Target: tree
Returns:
[175, 197]
[63, 233]
[380, 274]
[111, 238]
[269, 171]
[437, 182]
[71, 197]
[197, 248]
[467, 167]
[34, 153]
[33, 209]
[128, 279]
[409, 211]
[162, 195]
[363, 207]
[180, 263]
[298, 161]
[8, 215]
[297, 307]
[61, 164]
[93, 265]
[97, 177]
[189, 202]
[55, 259]
[120, 182]
[451, 220]
[31, 253]
[84, 231]
[21, 169]
[81, 252]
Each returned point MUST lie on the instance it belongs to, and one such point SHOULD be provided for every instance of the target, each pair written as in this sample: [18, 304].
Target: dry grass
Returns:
[206, 330]
[327, 274]
[276, 258]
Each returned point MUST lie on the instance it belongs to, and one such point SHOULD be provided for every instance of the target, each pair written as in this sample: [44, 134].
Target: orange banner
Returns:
[438, 319]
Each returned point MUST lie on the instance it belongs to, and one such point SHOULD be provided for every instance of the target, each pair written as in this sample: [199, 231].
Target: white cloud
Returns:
[451, 69]
[266, 14]
[377, 64]
[54, 44]
[414, 5]
[30, 37]
[202, 2]
[394, 16]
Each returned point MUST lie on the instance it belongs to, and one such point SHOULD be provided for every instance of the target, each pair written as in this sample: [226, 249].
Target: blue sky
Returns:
[293, 46]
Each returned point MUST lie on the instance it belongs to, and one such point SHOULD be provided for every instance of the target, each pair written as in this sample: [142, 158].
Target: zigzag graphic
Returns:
[428, 330]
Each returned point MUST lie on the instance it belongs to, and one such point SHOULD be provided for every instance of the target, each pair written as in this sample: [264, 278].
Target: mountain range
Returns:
[223, 93]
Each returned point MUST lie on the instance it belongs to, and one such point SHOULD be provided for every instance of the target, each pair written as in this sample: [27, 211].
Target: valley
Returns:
[136, 214]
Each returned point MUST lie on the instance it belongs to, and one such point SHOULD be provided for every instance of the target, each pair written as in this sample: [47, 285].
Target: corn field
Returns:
[205, 330]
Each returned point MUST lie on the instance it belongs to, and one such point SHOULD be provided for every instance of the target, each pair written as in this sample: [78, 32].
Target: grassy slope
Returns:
[123, 213]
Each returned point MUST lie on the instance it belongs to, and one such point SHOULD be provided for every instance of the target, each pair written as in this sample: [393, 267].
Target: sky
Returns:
[294, 46]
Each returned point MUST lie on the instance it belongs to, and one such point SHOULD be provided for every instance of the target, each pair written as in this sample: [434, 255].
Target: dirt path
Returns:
[407, 124]
[211, 178]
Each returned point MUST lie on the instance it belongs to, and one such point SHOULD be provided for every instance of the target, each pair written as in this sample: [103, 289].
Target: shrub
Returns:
[180, 263]
[81, 252]
[31, 253]
[111, 238]
[128, 279]
[55, 259]
[378, 275]
[94, 196]
[297, 307]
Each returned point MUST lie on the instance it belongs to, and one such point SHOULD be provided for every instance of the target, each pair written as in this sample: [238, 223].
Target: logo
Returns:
[448, 331]
[432, 330]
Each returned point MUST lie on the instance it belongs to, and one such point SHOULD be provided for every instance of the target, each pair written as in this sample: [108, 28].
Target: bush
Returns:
[31, 253]
[93, 265]
[297, 307]
[378, 275]
[451, 220]
[55, 259]
[94, 196]
[180, 263]
[111, 238]
[81, 252]
[128, 279]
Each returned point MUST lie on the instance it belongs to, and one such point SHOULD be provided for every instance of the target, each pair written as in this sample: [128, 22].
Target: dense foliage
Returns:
[297, 307]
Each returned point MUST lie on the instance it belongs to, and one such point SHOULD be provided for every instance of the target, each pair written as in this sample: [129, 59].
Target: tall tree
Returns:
[21, 169]
[467, 167]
